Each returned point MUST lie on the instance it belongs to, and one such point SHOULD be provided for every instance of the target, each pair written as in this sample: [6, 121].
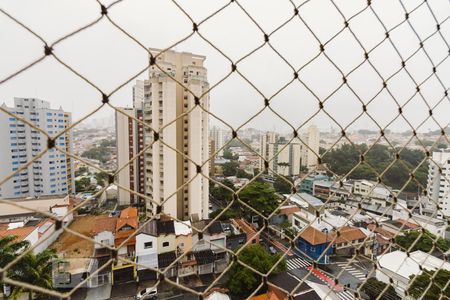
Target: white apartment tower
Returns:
[217, 134]
[288, 160]
[51, 174]
[265, 140]
[166, 101]
[311, 138]
[286, 157]
[438, 186]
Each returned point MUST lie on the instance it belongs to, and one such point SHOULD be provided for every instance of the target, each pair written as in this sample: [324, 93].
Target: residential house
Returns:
[165, 260]
[126, 226]
[103, 233]
[286, 286]
[27, 233]
[315, 245]
[147, 252]
[397, 267]
[307, 184]
[248, 229]
[46, 234]
[205, 261]
[352, 239]
[329, 189]
[372, 190]
[165, 230]
[383, 239]
[284, 214]
[395, 226]
[183, 236]
[73, 272]
[63, 211]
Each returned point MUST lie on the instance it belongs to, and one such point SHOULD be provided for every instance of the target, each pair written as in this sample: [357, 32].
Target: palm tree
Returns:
[10, 248]
[35, 270]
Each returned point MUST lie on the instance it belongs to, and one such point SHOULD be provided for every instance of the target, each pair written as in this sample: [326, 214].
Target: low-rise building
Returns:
[398, 266]
[147, 253]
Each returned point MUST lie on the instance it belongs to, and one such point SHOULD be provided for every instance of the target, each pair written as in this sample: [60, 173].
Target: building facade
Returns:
[310, 151]
[130, 142]
[51, 174]
[286, 158]
[217, 135]
[438, 185]
[170, 109]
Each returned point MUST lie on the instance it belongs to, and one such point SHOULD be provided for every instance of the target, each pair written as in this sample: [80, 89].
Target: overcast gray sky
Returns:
[108, 58]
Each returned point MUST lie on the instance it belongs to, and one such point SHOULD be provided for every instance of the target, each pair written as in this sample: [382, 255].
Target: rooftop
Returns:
[165, 227]
[314, 236]
[304, 199]
[398, 262]
[104, 223]
[20, 232]
[183, 228]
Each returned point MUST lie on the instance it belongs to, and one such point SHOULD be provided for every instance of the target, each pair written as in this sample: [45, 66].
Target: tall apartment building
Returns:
[291, 158]
[265, 140]
[130, 142]
[51, 174]
[165, 103]
[438, 186]
[286, 158]
[217, 134]
[309, 154]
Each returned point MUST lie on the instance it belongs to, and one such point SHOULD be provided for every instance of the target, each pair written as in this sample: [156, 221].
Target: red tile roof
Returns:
[288, 210]
[128, 216]
[20, 232]
[104, 223]
[314, 236]
[348, 234]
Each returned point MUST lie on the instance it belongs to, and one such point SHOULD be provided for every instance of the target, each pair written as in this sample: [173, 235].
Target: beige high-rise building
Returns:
[289, 160]
[265, 140]
[309, 154]
[217, 134]
[165, 102]
[286, 158]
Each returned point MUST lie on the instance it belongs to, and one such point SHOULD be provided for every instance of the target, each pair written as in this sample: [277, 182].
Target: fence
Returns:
[306, 249]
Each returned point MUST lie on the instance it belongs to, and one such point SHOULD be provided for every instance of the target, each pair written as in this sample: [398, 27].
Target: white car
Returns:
[147, 293]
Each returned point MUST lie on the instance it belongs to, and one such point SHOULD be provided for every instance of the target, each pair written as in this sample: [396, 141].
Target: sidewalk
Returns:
[99, 293]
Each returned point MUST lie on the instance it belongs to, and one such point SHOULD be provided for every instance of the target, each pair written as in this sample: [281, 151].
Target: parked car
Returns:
[272, 250]
[147, 293]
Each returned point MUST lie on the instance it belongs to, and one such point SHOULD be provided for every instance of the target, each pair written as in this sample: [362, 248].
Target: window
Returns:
[165, 244]
[149, 245]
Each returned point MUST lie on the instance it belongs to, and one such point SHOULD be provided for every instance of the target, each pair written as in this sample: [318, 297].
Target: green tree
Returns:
[32, 268]
[424, 241]
[373, 288]
[227, 154]
[343, 159]
[102, 178]
[230, 168]
[283, 185]
[242, 174]
[10, 247]
[260, 196]
[83, 184]
[231, 213]
[425, 288]
[244, 281]
[35, 270]
[221, 193]
[81, 171]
